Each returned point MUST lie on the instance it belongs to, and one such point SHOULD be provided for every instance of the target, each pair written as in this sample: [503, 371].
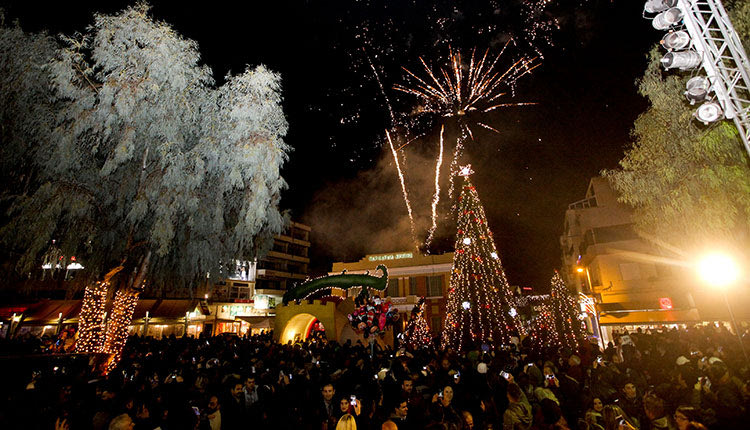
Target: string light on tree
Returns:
[543, 333]
[566, 310]
[479, 297]
[123, 307]
[91, 319]
[417, 334]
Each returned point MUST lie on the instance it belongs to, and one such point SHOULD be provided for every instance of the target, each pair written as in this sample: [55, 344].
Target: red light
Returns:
[665, 303]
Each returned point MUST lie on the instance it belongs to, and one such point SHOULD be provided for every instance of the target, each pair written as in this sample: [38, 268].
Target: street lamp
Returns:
[721, 271]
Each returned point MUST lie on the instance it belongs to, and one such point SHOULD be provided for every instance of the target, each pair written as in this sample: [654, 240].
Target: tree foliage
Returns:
[689, 184]
[146, 154]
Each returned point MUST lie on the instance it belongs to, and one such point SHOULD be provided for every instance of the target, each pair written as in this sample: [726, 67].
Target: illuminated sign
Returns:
[665, 303]
[385, 257]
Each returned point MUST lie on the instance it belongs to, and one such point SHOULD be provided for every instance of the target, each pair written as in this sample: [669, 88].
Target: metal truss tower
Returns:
[723, 58]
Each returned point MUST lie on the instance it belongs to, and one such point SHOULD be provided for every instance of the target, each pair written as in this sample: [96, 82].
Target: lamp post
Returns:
[721, 271]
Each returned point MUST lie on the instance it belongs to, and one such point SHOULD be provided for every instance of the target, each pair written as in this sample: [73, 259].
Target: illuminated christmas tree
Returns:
[565, 310]
[417, 334]
[479, 306]
[543, 333]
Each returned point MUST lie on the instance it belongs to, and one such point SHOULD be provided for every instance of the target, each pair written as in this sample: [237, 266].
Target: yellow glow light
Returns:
[718, 270]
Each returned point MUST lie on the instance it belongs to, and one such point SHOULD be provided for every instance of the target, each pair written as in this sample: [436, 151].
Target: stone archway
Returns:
[298, 327]
[294, 320]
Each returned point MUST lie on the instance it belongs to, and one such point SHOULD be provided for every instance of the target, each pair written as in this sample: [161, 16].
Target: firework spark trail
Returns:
[436, 198]
[380, 84]
[403, 189]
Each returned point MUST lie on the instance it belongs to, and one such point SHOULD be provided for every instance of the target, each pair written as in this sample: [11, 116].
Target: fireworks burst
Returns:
[454, 92]
[462, 91]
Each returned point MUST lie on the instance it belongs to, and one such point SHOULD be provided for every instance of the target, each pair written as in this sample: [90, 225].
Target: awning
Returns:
[163, 310]
[649, 316]
[256, 322]
[48, 311]
[6, 312]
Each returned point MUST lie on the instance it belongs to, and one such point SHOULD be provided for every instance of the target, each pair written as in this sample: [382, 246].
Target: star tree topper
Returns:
[465, 171]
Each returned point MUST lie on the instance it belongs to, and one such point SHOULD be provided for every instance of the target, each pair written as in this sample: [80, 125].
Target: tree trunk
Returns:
[91, 318]
[123, 307]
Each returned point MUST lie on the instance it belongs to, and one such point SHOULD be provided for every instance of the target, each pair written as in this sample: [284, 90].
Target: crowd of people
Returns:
[693, 378]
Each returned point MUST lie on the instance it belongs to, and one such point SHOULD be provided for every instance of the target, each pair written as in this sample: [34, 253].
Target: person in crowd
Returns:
[250, 392]
[212, 413]
[723, 394]
[442, 410]
[593, 416]
[467, 421]
[326, 414]
[654, 409]
[690, 375]
[389, 425]
[346, 422]
[684, 415]
[630, 402]
[122, 422]
[399, 413]
[614, 418]
[518, 414]
[232, 405]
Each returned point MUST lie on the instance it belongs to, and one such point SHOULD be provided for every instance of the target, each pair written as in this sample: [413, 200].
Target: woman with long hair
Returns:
[613, 415]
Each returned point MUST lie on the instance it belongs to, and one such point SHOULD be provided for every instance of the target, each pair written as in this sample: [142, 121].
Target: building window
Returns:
[436, 325]
[435, 286]
[413, 286]
[392, 290]
[239, 291]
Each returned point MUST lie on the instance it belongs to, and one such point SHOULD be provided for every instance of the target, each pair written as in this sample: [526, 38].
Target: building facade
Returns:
[248, 295]
[623, 280]
[410, 276]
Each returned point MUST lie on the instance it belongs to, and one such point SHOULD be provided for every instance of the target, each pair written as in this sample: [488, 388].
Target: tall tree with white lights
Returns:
[150, 172]
[565, 311]
[479, 306]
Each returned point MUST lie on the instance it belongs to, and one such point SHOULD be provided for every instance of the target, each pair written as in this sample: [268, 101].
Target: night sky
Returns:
[341, 176]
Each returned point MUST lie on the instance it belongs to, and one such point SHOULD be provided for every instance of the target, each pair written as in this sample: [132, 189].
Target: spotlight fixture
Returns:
[709, 112]
[697, 89]
[683, 60]
[667, 18]
[656, 6]
[676, 40]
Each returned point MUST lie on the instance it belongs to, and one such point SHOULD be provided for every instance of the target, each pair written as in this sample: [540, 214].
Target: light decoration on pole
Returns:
[479, 296]
[417, 334]
[91, 320]
[565, 310]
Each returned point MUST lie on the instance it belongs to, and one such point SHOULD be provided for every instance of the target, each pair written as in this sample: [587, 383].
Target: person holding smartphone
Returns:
[442, 411]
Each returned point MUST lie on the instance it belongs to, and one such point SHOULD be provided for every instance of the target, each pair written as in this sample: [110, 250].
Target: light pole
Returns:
[721, 271]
